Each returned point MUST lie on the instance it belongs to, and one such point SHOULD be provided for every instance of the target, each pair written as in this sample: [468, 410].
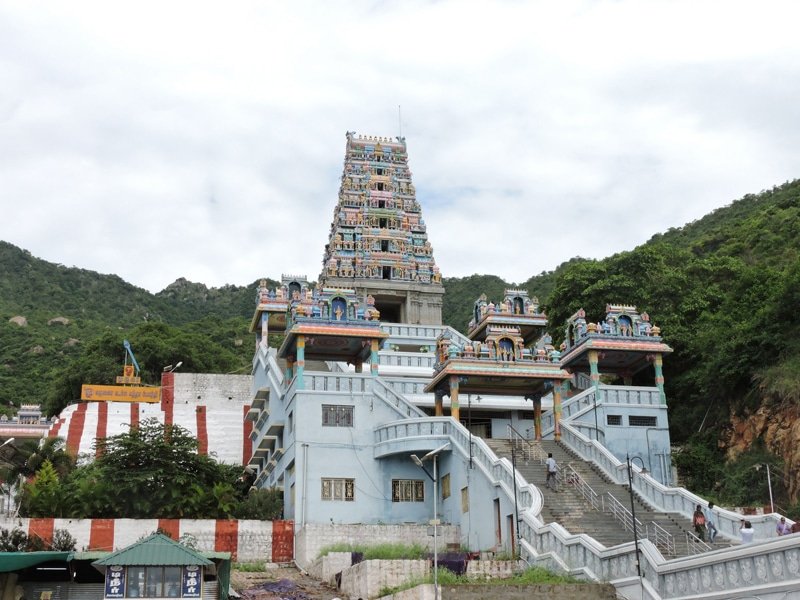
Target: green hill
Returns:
[723, 289]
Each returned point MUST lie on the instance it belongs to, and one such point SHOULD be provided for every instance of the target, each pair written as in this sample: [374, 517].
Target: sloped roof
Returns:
[157, 549]
[16, 561]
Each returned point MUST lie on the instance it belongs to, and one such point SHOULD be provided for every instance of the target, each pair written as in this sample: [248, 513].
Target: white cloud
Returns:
[206, 141]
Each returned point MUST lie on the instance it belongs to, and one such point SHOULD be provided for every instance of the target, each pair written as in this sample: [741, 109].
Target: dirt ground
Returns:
[280, 583]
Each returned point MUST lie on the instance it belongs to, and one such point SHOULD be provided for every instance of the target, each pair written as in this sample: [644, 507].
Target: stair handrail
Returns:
[529, 449]
[662, 538]
[574, 479]
[694, 545]
[622, 514]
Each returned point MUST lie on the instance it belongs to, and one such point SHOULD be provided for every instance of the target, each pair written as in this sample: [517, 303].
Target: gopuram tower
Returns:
[378, 244]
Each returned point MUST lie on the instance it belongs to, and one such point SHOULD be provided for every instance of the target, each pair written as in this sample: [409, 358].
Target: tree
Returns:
[41, 497]
[154, 470]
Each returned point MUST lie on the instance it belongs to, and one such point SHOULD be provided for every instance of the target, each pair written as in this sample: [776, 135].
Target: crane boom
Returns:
[127, 345]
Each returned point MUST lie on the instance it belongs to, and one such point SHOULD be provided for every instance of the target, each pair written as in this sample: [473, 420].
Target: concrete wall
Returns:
[326, 567]
[314, 537]
[368, 578]
[246, 540]
[211, 407]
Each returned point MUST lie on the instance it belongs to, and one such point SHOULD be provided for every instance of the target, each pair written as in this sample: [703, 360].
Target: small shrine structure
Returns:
[622, 344]
[496, 360]
[330, 324]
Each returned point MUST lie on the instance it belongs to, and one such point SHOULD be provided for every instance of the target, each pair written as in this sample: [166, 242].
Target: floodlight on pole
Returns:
[171, 368]
[7, 442]
[433, 454]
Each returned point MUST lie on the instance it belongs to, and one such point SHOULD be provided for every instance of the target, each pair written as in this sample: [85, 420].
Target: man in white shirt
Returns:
[551, 471]
[711, 522]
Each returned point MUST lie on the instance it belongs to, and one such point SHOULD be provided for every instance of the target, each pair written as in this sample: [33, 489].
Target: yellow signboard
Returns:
[118, 393]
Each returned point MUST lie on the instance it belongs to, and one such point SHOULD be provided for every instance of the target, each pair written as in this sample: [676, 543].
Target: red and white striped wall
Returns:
[246, 540]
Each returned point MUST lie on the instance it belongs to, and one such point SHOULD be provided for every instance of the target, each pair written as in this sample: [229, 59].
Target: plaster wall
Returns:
[312, 538]
[650, 444]
[318, 452]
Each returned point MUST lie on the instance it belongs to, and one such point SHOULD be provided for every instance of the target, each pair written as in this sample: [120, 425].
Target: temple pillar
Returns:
[454, 397]
[301, 360]
[289, 369]
[537, 417]
[594, 373]
[373, 358]
[438, 406]
[657, 363]
[265, 329]
[556, 411]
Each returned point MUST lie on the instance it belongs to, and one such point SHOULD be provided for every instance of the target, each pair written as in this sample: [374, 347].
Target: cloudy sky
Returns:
[159, 140]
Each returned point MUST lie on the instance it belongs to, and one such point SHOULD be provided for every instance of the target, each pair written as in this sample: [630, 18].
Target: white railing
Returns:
[662, 538]
[656, 494]
[574, 479]
[621, 514]
[694, 545]
[525, 448]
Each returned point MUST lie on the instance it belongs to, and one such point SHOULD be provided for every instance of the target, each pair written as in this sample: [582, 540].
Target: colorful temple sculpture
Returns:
[378, 242]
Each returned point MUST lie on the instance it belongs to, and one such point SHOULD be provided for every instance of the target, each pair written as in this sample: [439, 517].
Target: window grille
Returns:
[338, 489]
[640, 421]
[614, 419]
[408, 490]
[334, 415]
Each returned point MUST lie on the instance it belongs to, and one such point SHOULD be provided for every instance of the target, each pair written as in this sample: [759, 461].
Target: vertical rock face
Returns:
[779, 429]
[378, 243]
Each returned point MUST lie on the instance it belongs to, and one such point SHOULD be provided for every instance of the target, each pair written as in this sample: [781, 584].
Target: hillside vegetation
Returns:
[724, 289]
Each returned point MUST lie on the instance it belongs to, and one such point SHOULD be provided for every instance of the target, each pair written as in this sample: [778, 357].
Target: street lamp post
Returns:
[633, 510]
[433, 454]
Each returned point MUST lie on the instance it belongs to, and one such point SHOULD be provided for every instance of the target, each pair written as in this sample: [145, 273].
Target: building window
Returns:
[408, 490]
[291, 423]
[154, 582]
[614, 419]
[446, 486]
[338, 489]
[334, 415]
[640, 421]
[464, 500]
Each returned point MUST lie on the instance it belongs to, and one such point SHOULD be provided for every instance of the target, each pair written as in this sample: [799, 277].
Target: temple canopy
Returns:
[623, 344]
[331, 324]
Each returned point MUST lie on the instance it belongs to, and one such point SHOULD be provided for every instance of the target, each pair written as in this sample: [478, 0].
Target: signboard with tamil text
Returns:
[118, 393]
[115, 582]
[192, 581]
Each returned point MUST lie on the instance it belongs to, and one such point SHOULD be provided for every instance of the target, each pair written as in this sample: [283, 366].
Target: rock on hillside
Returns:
[19, 320]
[779, 429]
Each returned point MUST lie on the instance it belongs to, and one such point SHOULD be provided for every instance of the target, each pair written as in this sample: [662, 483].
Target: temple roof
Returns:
[625, 341]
